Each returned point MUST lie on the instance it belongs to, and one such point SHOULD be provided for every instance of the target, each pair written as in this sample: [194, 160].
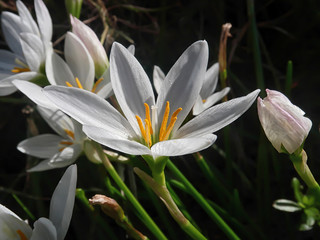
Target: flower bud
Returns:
[92, 43]
[283, 123]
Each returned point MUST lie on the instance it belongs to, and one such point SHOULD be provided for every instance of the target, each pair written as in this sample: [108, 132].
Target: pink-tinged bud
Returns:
[283, 123]
[92, 43]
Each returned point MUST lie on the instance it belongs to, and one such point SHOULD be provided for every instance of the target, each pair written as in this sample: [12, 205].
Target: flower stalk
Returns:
[149, 223]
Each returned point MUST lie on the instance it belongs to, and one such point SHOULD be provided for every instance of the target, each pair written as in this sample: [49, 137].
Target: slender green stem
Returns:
[163, 193]
[203, 203]
[143, 214]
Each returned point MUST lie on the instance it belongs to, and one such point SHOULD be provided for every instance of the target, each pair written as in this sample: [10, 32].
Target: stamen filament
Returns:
[169, 129]
[22, 235]
[19, 70]
[148, 117]
[148, 134]
[94, 88]
[68, 84]
[143, 132]
[69, 133]
[164, 121]
[79, 83]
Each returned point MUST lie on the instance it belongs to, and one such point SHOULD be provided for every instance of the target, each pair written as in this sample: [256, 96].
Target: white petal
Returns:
[79, 60]
[62, 201]
[158, 77]
[10, 223]
[34, 92]
[61, 159]
[29, 25]
[210, 101]
[33, 50]
[42, 146]
[116, 142]
[130, 83]
[58, 72]
[177, 147]
[210, 81]
[7, 60]
[131, 49]
[44, 230]
[88, 108]
[44, 20]
[183, 82]
[11, 28]
[217, 116]
[57, 120]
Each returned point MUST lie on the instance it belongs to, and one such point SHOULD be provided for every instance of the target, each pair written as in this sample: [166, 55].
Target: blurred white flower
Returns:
[157, 134]
[207, 96]
[283, 123]
[29, 43]
[55, 228]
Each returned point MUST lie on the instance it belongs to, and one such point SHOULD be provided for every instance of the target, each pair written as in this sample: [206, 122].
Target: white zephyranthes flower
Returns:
[151, 127]
[283, 123]
[207, 97]
[57, 150]
[78, 70]
[53, 228]
[29, 43]
[92, 43]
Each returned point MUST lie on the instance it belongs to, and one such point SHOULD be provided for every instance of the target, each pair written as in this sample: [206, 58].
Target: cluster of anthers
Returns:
[79, 85]
[147, 129]
[67, 143]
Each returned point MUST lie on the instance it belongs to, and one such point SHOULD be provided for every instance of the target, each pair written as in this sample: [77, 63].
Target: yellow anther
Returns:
[20, 69]
[69, 133]
[164, 121]
[148, 117]
[204, 100]
[69, 84]
[143, 132]
[22, 235]
[79, 83]
[169, 129]
[61, 149]
[94, 88]
[148, 133]
[66, 143]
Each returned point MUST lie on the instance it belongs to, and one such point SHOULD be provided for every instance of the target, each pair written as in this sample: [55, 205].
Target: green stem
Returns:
[162, 192]
[203, 203]
[143, 214]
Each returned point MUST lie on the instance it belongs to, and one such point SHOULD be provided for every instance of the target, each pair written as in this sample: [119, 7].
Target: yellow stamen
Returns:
[164, 121]
[22, 235]
[143, 132]
[169, 129]
[148, 133]
[61, 149]
[94, 88]
[204, 100]
[69, 133]
[20, 69]
[148, 117]
[79, 83]
[66, 142]
[69, 84]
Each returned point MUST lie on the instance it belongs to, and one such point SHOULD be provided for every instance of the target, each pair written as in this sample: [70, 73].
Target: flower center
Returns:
[22, 235]
[67, 143]
[147, 129]
[78, 83]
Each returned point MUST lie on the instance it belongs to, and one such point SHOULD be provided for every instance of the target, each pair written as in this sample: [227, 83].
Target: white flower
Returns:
[78, 70]
[283, 123]
[57, 150]
[206, 98]
[92, 43]
[55, 228]
[29, 42]
[158, 134]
